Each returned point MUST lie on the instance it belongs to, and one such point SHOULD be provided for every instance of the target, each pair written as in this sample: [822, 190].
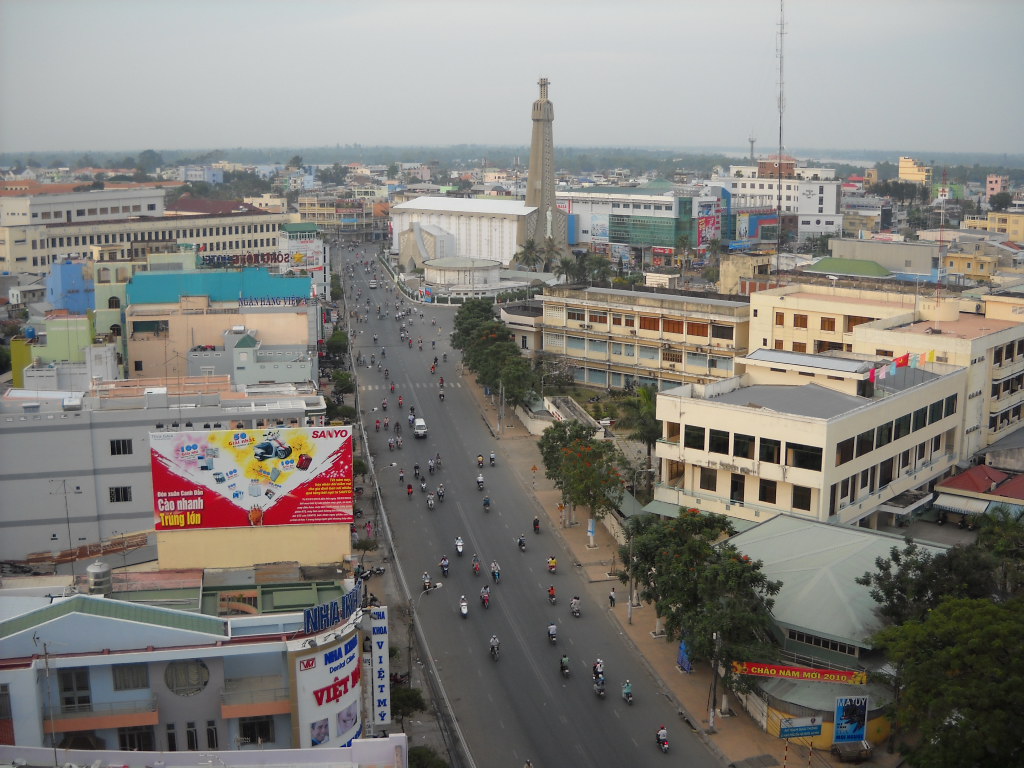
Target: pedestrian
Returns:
[611, 598]
[369, 529]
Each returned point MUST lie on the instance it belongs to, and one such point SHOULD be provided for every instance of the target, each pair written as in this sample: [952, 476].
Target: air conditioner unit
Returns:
[632, 333]
[672, 366]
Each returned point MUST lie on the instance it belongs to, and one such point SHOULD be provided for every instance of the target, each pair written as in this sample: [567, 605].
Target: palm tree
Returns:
[551, 252]
[598, 268]
[529, 255]
[641, 418]
[565, 268]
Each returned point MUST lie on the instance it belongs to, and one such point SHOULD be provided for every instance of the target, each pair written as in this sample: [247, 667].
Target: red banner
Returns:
[800, 673]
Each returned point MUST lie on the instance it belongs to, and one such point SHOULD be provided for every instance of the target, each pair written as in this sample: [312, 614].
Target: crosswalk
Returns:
[386, 387]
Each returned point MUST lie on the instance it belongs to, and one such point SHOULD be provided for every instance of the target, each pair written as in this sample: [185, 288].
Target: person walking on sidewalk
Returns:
[611, 598]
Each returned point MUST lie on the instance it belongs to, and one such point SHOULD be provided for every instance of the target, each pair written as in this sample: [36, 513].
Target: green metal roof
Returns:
[246, 342]
[300, 228]
[115, 609]
[849, 267]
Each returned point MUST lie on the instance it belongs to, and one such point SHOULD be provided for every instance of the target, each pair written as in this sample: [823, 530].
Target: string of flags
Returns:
[903, 361]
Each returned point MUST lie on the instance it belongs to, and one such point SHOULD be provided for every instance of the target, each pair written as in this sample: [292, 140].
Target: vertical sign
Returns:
[381, 689]
[851, 718]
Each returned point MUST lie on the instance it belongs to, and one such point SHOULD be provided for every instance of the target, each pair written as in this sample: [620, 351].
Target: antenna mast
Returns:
[782, 107]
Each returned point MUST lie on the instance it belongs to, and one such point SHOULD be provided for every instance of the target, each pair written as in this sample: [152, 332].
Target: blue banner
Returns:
[683, 660]
[851, 718]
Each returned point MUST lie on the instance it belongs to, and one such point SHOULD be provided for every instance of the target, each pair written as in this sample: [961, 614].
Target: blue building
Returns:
[68, 287]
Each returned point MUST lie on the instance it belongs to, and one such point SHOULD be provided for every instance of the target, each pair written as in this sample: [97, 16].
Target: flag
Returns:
[924, 358]
[902, 361]
[882, 372]
[931, 356]
[892, 368]
[913, 360]
[871, 376]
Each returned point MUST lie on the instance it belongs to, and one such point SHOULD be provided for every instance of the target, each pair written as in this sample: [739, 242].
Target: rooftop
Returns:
[825, 362]
[980, 479]
[218, 285]
[461, 262]
[714, 299]
[466, 205]
[810, 400]
[966, 326]
[855, 267]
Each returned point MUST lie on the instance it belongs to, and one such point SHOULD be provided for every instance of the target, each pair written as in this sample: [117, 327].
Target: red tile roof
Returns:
[1012, 488]
[977, 479]
[188, 204]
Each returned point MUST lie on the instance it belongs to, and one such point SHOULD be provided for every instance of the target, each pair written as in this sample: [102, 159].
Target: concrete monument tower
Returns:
[540, 183]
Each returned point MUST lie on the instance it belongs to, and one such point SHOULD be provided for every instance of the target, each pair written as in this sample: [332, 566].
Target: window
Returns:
[616, 319]
[902, 427]
[865, 442]
[598, 317]
[120, 493]
[671, 356]
[777, 344]
[172, 738]
[722, 332]
[950, 405]
[718, 441]
[121, 447]
[191, 737]
[576, 314]
[136, 739]
[649, 323]
[799, 321]
[799, 346]
[771, 450]
[883, 434]
[256, 730]
[844, 451]
[212, 742]
[138, 365]
[828, 323]
[780, 318]
[920, 418]
[708, 479]
[6, 720]
[766, 491]
[935, 412]
[130, 677]
[186, 678]
[648, 353]
[674, 326]
[743, 446]
[803, 456]
[697, 329]
[693, 437]
[629, 320]
[74, 690]
[801, 497]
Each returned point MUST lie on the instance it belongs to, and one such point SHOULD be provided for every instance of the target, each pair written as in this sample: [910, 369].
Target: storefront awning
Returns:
[963, 505]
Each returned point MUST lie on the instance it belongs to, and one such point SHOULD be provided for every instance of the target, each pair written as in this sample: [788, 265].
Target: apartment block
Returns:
[911, 170]
[816, 436]
[1006, 223]
[615, 338]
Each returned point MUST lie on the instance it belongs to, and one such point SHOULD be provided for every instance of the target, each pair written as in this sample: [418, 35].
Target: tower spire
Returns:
[543, 83]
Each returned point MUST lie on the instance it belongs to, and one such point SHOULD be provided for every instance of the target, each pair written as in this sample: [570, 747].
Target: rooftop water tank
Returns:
[99, 576]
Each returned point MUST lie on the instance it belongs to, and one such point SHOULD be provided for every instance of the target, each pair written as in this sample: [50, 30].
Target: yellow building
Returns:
[911, 170]
[616, 337]
[1003, 222]
[972, 266]
[857, 222]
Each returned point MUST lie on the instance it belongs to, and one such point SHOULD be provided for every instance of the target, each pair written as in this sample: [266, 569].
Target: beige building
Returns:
[972, 266]
[1003, 222]
[982, 334]
[911, 170]
[808, 435]
[617, 337]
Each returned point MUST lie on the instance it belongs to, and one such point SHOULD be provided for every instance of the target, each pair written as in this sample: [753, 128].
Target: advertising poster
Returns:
[327, 690]
[304, 253]
[251, 477]
[599, 227]
[380, 666]
[851, 718]
[707, 230]
[742, 226]
[620, 253]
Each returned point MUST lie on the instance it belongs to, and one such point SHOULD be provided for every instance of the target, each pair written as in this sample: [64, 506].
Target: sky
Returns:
[112, 75]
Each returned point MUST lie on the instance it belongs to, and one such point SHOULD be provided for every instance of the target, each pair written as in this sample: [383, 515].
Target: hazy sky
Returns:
[930, 75]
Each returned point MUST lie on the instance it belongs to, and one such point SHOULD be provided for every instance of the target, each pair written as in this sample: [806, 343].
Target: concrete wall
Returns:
[241, 547]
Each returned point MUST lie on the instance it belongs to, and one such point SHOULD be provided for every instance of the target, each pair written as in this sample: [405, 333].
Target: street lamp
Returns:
[413, 607]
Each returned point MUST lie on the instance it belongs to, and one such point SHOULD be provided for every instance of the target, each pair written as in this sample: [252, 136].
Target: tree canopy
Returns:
[489, 350]
[586, 470]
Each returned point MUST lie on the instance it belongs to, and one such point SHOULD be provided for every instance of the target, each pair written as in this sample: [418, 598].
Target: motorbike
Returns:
[564, 668]
[479, 483]
[552, 598]
[444, 569]
[487, 505]
[552, 567]
[522, 544]
[552, 636]
[427, 585]
[496, 575]
[485, 600]
[627, 695]
[441, 395]
[476, 568]
[440, 494]
[368, 573]
[423, 484]
[492, 459]
[464, 608]
[430, 501]
[536, 525]
[599, 686]
[662, 744]
[495, 652]
[575, 610]
[459, 546]
[480, 462]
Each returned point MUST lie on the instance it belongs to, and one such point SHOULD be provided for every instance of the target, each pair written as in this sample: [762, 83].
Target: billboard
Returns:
[327, 690]
[800, 673]
[851, 718]
[707, 230]
[380, 683]
[599, 227]
[233, 478]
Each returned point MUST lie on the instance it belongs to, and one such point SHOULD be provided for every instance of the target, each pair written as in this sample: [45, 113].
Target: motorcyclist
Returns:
[552, 630]
[485, 595]
[423, 484]
[476, 564]
[416, 469]
[551, 592]
[521, 541]
[480, 481]
[487, 502]
[430, 501]
[444, 564]
[441, 382]
[384, 404]
[430, 466]
[662, 735]
[536, 524]
[627, 689]
[574, 604]
[440, 490]
[495, 643]
[463, 604]
[552, 563]
[495, 570]
[598, 669]
[479, 459]
[401, 401]
[459, 544]
[426, 581]
[563, 663]
[493, 458]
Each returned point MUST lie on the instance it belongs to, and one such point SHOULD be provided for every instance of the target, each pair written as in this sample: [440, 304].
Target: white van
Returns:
[419, 428]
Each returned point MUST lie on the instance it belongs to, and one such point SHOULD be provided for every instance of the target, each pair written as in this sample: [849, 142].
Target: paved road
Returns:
[519, 707]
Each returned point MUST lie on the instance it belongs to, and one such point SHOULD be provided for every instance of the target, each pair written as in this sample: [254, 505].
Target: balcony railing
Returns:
[100, 709]
[255, 690]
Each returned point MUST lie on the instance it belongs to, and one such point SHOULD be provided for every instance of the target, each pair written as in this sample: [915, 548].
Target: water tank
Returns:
[99, 576]
[30, 332]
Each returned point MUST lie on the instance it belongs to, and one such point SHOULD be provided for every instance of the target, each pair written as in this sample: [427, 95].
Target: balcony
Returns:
[254, 696]
[96, 716]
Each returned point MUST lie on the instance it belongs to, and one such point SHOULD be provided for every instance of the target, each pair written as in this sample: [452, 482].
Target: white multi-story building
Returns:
[202, 173]
[91, 206]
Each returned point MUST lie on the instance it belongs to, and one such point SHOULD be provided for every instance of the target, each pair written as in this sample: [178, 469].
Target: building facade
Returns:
[617, 338]
[913, 171]
[1006, 223]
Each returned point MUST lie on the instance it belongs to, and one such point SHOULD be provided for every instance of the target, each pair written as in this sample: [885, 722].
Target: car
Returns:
[373, 283]
[419, 428]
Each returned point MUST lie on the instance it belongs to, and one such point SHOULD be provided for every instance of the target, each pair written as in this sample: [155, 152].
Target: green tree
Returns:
[702, 588]
[555, 439]
[471, 315]
[337, 343]
[1002, 535]
[912, 581]
[406, 701]
[359, 467]
[1000, 201]
[596, 268]
[591, 476]
[295, 162]
[5, 358]
[641, 418]
[426, 757]
[344, 382]
[529, 255]
[551, 252]
[150, 160]
[961, 673]
[565, 268]
[393, 171]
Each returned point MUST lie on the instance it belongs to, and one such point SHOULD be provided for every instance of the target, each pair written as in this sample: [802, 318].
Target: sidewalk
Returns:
[738, 740]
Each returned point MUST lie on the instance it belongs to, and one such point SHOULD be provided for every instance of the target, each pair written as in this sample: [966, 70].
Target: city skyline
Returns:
[111, 75]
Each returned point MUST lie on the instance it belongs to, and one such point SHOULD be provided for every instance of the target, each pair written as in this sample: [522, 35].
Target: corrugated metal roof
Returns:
[465, 205]
[116, 609]
[827, 362]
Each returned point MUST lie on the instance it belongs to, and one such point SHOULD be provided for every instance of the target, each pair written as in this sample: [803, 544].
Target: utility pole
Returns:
[717, 638]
